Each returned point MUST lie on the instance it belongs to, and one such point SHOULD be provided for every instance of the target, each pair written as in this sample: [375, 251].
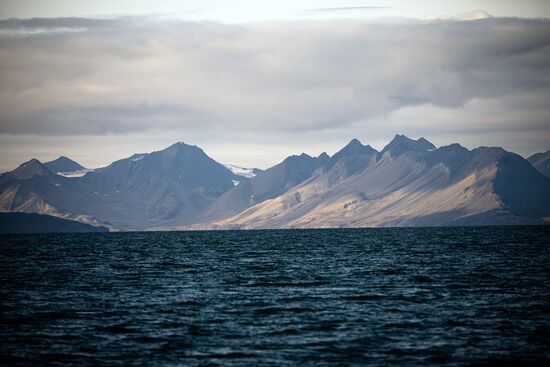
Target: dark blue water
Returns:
[442, 296]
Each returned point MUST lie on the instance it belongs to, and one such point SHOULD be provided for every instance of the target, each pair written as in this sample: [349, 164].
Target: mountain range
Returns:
[408, 183]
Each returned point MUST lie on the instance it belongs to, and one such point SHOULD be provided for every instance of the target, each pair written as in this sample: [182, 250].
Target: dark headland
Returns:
[41, 223]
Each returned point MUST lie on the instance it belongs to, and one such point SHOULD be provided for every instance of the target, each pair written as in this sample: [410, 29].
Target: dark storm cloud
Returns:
[135, 74]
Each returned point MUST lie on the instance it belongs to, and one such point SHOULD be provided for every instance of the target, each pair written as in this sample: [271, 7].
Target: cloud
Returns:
[15, 24]
[348, 8]
[472, 15]
[277, 82]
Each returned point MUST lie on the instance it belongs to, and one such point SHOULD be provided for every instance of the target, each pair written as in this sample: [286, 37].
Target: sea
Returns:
[463, 296]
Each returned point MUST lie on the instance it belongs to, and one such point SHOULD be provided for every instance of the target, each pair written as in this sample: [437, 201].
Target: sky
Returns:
[252, 82]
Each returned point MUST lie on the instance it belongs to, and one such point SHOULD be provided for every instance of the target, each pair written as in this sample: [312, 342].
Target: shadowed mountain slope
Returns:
[541, 161]
[266, 185]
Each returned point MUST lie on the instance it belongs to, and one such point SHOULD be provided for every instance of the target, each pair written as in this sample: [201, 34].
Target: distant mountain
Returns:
[402, 144]
[66, 167]
[350, 159]
[408, 183]
[33, 188]
[41, 223]
[63, 164]
[353, 148]
[140, 192]
[159, 188]
[29, 170]
[184, 165]
[541, 161]
[268, 184]
[291, 172]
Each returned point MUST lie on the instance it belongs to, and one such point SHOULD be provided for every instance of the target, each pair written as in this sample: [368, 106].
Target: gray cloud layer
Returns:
[329, 80]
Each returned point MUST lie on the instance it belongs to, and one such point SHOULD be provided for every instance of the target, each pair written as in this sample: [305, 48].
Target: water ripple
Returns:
[443, 296]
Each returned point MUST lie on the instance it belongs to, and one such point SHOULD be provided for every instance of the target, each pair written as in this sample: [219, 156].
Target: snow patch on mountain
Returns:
[241, 171]
[78, 173]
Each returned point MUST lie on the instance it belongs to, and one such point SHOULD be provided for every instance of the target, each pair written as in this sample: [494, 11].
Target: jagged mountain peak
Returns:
[420, 142]
[354, 142]
[180, 166]
[63, 164]
[454, 146]
[30, 169]
[180, 147]
[401, 144]
[354, 147]
[173, 157]
[297, 158]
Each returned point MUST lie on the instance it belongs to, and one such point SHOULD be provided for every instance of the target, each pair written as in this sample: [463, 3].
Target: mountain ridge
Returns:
[468, 177]
[408, 183]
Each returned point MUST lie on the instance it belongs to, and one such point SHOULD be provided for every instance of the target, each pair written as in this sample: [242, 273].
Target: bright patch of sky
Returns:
[246, 11]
